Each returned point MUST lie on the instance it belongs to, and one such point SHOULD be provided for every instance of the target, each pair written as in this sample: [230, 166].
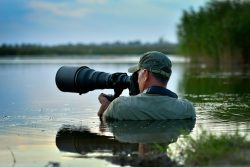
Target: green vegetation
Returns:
[135, 47]
[220, 31]
[209, 149]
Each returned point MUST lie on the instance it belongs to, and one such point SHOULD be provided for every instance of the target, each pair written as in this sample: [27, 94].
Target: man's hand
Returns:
[104, 103]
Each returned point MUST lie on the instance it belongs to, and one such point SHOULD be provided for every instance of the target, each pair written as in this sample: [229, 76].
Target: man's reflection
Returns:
[131, 140]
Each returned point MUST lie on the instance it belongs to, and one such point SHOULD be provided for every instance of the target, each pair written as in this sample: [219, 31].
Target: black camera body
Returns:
[84, 79]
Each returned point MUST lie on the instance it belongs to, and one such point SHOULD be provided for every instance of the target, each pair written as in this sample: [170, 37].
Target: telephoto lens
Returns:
[83, 79]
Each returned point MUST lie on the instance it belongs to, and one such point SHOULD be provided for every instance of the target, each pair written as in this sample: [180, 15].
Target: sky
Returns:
[53, 22]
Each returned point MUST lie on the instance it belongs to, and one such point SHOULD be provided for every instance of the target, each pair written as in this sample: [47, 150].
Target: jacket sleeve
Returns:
[112, 111]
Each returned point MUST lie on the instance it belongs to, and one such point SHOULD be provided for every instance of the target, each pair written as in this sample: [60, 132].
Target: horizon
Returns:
[51, 22]
[159, 41]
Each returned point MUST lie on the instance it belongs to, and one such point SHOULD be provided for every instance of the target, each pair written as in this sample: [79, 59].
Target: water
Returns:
[39, 125]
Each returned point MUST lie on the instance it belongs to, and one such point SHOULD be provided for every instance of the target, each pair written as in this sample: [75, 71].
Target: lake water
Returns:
[42, 126]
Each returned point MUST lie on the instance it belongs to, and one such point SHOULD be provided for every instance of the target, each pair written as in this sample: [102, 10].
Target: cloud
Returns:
[62, 9]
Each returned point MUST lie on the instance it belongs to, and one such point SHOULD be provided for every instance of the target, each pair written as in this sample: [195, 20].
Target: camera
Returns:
[84, 79]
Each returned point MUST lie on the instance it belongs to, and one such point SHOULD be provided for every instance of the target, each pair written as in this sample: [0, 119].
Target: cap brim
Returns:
[133, 69]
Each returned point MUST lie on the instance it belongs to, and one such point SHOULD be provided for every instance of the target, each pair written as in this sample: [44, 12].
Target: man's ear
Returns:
[146, 75]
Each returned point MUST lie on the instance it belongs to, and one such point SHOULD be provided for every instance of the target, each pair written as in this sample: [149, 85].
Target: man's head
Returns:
[156, 65]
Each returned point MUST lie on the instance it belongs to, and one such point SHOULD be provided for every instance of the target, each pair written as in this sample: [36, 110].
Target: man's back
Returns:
[149, 107]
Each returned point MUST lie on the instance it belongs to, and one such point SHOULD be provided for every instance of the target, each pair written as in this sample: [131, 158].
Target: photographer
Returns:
[155, 101]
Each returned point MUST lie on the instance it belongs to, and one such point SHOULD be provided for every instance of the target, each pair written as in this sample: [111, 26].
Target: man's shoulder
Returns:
[184, 101]
[128, 98]
[122, 99]
[146, 97]
[122, 108]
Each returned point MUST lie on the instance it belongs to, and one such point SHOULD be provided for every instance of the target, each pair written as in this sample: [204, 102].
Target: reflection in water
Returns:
[132, 143]
[210, 80]
[221, 97]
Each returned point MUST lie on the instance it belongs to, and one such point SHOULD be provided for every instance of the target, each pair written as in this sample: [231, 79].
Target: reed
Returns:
[218, 30]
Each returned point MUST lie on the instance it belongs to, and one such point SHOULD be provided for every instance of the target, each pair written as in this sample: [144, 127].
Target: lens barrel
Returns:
[83, 79]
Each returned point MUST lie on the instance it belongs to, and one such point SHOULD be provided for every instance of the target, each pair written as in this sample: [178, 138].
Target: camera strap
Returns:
[161, 91]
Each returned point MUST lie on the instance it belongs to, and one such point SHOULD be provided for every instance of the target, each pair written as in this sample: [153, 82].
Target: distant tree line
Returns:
[220, 29]
[121, 48]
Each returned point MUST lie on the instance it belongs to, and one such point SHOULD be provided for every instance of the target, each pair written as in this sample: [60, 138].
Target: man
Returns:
[154, 102]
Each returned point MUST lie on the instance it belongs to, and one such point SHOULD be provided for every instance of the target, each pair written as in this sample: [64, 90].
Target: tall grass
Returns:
[219, 30]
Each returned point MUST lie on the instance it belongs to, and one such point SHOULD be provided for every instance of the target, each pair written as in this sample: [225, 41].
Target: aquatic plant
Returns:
[211, 149]
[219, 30]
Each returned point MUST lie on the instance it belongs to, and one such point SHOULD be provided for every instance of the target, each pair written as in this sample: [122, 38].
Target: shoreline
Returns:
[78, 59]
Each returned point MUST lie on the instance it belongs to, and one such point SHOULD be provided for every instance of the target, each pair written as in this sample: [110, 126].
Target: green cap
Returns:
[155, 62]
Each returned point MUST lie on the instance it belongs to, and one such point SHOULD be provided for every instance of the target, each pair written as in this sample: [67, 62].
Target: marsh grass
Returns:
[209, 149]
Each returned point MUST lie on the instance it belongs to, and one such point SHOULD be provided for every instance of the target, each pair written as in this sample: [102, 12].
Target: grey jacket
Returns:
[149, 107]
